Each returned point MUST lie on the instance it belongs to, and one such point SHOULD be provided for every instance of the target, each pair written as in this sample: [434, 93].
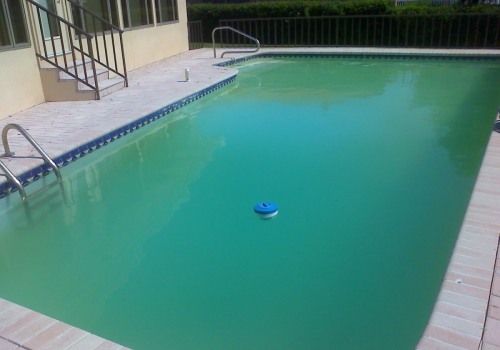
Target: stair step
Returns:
[69, 61]
[102, 74]
[108, 86]
[80, 67]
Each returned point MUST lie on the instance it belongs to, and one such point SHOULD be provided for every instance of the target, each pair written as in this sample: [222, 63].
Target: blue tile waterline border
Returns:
[381, 55]
[35, 174]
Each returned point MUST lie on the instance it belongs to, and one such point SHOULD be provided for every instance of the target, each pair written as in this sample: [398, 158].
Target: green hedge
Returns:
[428, 9]
[210, 14]
[301, 8]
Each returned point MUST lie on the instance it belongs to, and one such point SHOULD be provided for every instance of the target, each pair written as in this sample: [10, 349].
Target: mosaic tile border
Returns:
[35, 174]
[381, 55]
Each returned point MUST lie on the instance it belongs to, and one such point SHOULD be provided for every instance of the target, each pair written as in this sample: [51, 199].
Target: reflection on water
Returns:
[154, 243]
[463, 98]
[325, 82]
[457, 95]
[112, 201]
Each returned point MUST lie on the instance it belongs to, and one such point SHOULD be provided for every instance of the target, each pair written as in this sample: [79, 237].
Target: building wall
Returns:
[148, 44]
[151, 44]
[20, 83]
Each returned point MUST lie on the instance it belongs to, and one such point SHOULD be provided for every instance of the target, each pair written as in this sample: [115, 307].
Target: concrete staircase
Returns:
[59, 86]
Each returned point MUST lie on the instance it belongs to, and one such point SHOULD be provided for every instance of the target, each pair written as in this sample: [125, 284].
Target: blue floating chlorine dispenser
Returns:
[266, 210]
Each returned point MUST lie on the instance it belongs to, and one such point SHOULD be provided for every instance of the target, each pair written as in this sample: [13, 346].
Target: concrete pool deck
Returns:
[467, 312]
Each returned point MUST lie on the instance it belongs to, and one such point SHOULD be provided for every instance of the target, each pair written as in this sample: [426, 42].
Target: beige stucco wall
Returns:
[147, 45]
[151, 44]
[20, 84]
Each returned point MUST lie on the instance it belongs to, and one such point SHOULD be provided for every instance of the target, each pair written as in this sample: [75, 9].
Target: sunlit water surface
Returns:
[155, 245]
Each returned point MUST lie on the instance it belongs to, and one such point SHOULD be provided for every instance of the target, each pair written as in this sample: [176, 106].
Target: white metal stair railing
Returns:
[238, 32]
[9, 153]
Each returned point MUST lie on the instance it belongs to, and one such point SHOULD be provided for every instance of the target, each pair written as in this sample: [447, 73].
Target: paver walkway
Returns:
[468, 303]
[467, 312]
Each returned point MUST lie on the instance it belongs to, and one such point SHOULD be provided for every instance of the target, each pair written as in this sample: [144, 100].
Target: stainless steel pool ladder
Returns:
[238, 32]
[9, 153]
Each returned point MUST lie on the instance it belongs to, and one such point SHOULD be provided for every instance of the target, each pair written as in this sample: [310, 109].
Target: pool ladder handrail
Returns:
[238, 32]
[9, 153]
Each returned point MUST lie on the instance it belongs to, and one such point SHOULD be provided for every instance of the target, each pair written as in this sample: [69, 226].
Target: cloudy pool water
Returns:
[154, 243]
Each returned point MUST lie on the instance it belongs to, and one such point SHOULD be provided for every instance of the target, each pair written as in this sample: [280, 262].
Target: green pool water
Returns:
[154, 243]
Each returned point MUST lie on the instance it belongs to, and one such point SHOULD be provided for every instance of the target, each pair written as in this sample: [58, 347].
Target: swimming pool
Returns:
[171, 255]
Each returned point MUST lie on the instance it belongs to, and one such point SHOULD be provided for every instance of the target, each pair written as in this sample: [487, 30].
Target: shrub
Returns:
[210, 14]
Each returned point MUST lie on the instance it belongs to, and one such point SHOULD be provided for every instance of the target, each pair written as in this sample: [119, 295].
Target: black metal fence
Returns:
[195, 35]
[419, 31]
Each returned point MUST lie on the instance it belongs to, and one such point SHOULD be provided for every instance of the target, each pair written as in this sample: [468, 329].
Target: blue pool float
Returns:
[266, 210]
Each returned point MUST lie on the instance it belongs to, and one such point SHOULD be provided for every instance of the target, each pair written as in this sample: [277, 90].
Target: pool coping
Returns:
[466, 314]
[34, 173]
[454, 321]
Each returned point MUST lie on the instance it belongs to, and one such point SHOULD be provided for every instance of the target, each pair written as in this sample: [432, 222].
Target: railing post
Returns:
[92, 60]
[336, 31]
[105, 44]
[79, 14]
[51, 38]
[407, 30]
[41, 32]
[497, 31]
[238, 32]
[432, 31]
[83, 59]
[73, 55]
[449, 32]
[467, 32]
[123, 60]
[477, 30]
[62, 47]
[457, 42]
[485, 43]
[213, 43]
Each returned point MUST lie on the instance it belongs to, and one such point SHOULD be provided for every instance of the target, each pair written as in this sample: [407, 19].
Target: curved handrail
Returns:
[14, 180]
[28, 137]
[236, 31]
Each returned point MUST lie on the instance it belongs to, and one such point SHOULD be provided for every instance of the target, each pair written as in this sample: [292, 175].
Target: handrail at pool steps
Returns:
[9, 153]
[257, 42]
